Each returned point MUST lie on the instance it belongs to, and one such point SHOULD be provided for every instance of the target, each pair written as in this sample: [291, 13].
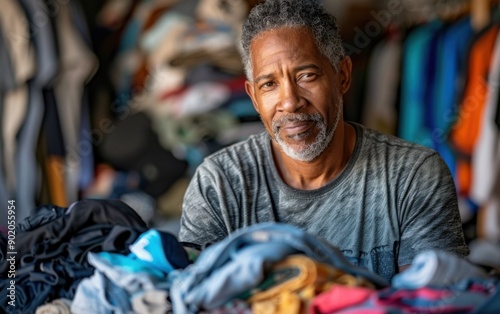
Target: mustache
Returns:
[296, 117]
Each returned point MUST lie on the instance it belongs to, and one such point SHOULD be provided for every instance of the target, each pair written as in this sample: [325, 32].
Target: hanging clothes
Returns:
[465, 131]
[6, 83]
[486, 157]
[78, 65]
[382, 86]
[43, 100]
[412, 115]
[15, 103]
[47, 66]
[485, 165]
[452, 53]
[19, 48]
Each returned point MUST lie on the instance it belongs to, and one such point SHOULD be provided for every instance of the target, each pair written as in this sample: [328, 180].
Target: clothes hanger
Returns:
[484, 12]
[453, 10]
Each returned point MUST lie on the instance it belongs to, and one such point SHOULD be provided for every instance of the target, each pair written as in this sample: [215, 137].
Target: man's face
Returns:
[296, 91]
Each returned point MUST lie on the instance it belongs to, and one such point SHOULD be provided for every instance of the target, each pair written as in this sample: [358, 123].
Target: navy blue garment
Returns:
[54, 269]
[83, 214]
[41, 216]
[51, 125]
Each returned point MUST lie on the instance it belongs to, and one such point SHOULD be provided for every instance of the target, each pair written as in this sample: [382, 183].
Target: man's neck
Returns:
[322, 170]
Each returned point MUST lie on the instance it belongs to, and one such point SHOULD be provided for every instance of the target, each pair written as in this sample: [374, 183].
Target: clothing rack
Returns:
[439, 61]
[44, 110]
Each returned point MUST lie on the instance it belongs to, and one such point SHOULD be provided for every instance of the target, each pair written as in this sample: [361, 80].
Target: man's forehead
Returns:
[284, 45]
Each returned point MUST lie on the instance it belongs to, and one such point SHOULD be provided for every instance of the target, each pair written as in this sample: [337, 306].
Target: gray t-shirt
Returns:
[393, 200]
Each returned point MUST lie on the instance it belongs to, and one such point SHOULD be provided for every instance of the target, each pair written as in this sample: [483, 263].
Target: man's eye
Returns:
[307, 77]
[267, 85]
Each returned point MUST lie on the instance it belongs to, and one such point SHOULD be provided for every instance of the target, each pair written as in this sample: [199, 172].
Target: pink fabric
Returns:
[338, 298]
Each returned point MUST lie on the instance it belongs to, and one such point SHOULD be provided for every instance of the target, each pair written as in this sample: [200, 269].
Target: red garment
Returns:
[338, 298]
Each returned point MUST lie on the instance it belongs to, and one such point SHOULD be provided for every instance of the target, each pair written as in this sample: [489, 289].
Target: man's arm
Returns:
[429, 215]
[205, 201]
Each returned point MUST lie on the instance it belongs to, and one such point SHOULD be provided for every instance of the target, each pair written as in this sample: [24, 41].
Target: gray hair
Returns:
[273, 14]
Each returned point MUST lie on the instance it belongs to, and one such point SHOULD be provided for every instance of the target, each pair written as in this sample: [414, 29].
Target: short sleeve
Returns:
[429, 216]
[205, 200]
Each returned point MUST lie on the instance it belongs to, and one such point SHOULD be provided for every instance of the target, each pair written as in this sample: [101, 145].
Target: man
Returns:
[379, 199]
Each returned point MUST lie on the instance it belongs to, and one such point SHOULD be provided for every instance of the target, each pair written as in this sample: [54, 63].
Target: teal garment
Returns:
[452, 66]
[413, 84]
[130, 264]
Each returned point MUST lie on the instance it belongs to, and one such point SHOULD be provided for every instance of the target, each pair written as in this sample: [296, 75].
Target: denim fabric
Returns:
[210, 282]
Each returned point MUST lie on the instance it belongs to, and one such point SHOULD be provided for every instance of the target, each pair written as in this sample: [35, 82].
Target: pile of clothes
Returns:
[98, 256]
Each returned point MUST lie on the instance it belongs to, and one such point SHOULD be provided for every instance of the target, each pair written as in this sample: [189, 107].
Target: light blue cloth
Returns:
[211, 281]
[97, 294]
[436, 268]
[116, 280]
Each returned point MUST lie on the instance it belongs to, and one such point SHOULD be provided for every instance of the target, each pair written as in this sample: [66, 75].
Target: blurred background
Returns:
[124, 98]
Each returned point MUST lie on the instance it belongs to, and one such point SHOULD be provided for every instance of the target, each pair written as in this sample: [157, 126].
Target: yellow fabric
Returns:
[294, 294]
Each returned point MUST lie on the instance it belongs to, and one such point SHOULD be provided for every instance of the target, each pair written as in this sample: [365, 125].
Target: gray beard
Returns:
[313, 150]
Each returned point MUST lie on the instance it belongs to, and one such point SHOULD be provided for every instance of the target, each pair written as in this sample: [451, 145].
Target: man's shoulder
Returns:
[375, 140]
[254, 145]
[396, 156]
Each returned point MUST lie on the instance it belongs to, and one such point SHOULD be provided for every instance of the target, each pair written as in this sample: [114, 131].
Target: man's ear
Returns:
[345, 68]
[249, 88]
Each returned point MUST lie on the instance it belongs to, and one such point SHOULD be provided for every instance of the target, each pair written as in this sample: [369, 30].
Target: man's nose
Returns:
[291, 100]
